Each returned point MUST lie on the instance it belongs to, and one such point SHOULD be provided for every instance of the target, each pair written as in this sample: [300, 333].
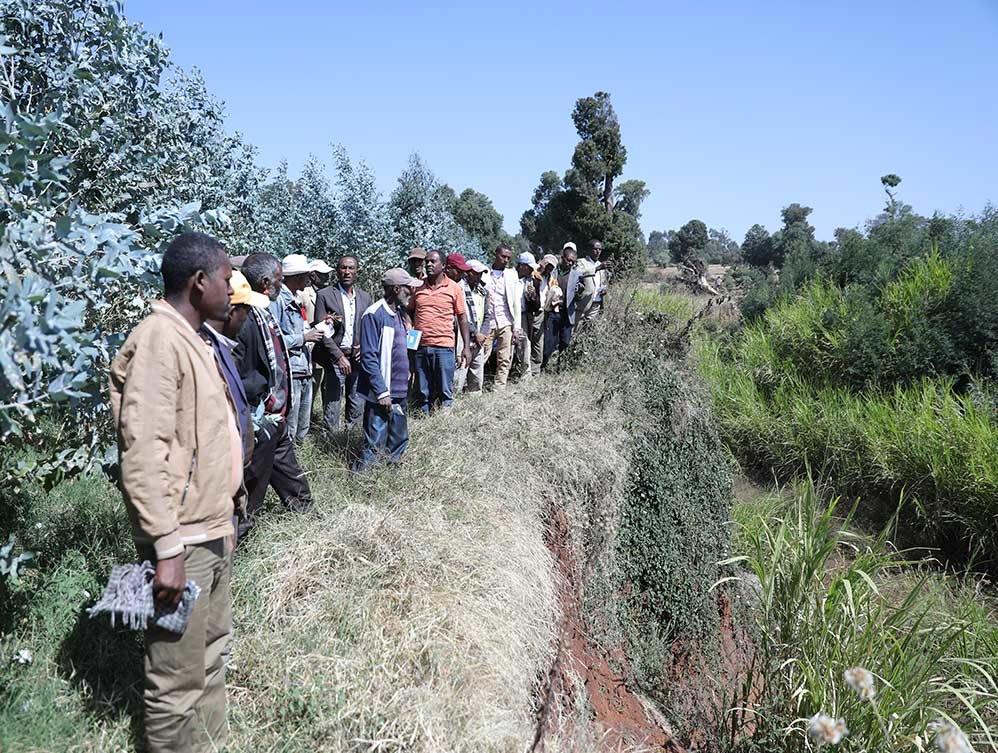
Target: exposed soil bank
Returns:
[627, 721]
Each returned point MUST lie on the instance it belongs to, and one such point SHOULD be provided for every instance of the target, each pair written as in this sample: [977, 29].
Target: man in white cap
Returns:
[471, 376]
[552, 301]
[530, 347]
[384, 370]
[290, 317]
[568, 280]
[503, 313]
[592, 276]
[318, 278]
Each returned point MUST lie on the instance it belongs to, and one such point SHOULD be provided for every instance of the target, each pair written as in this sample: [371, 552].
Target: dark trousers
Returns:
[434, 377]
[386, 433]
[558, 335]
[337, 389]
[274, 464]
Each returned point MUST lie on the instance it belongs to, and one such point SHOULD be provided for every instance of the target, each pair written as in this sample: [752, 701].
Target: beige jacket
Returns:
[169, 405]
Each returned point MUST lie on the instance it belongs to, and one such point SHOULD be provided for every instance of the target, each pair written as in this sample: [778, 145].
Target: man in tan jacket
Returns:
[181, 468]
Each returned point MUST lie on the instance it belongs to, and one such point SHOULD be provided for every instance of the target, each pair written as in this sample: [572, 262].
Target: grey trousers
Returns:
[338, 389]
[470, 377]
[300, 415]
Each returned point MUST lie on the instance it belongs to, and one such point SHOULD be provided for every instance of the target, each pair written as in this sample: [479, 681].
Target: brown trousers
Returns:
[501, 340]
[185, 674]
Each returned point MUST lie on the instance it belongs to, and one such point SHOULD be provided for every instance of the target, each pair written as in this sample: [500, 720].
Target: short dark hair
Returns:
[440, 254]
[259, 267]
[188, 254]
[502, 247]
[592, 243]
[348, 256]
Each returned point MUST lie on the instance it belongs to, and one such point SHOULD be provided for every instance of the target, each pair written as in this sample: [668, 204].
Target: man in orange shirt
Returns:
[434, 307]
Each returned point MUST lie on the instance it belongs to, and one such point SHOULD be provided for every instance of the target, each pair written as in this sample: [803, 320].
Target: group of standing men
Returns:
[212, 391]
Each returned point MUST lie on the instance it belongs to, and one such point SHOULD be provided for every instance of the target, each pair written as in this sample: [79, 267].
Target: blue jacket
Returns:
[222, 347]
[384, 359]
[287, 312]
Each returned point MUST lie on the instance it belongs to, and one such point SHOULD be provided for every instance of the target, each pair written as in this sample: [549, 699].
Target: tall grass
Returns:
[830, 601]
[939, 446]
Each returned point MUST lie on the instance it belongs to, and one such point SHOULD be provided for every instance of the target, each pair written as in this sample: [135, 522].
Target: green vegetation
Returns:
[829, 601]
[585, 204]
[783, 402]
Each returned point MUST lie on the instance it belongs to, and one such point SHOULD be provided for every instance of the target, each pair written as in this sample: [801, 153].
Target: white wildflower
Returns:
[825, 729]
[23, 656]
[950, 739]
[861, 681]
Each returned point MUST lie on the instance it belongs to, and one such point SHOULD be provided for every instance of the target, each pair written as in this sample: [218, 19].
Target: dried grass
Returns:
[419, 611]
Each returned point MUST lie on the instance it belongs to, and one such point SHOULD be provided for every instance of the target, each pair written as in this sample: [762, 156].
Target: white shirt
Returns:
[349, 315]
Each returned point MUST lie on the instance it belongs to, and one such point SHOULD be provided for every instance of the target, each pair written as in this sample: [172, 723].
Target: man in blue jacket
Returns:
[384, 370]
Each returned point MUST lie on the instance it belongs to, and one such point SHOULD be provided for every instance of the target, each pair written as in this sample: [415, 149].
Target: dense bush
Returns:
[938, 316]
[670, 529]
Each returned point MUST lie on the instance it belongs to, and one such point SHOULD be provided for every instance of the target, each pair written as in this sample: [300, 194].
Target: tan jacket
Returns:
[169, 405]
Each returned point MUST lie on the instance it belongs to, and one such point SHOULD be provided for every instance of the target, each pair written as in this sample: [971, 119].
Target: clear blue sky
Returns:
[729, 110]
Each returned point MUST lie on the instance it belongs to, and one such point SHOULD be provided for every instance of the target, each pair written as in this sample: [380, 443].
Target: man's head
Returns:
[398, 285]
[319, 274]
[434, 264]
[548, 263]
[502, 257]
[474, 274]
[456, 266]
[242, 298]
[296, 270]
[594, 248]
[525, 264]
[415, 262]
[196, 272]
[265, 274]
[346, 271]
[569, 254]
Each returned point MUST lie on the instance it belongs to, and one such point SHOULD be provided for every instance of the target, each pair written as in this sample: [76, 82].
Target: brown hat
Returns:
[417, 253]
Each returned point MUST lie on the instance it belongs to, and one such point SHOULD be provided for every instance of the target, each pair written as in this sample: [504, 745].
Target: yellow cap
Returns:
[243, 293]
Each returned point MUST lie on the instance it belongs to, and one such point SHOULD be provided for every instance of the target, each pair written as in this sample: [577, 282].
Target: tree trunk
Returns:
[608, 193]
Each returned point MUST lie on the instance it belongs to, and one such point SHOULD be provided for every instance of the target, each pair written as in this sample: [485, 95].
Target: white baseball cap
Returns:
[318, 265]
[527, 258]
[295, 264]
[477, 266]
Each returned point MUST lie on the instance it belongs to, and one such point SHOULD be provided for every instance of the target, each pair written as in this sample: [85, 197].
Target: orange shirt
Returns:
[434, 310]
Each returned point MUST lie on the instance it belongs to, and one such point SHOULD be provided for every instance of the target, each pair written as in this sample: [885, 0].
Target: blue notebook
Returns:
[412, 339]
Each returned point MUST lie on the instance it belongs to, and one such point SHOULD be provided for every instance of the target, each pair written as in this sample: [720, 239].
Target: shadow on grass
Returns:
[104, 665]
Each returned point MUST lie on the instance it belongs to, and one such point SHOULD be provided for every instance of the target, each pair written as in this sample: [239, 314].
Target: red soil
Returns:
[624, 718]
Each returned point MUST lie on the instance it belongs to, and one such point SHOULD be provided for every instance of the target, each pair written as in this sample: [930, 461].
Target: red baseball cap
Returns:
[458, 262]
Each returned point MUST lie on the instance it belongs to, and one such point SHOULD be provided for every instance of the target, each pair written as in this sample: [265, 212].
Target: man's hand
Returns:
[386, 403]
[517, 334]
[168, 584]
[465, 358]
[313, 336]
[480, 339]
[343, 364]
